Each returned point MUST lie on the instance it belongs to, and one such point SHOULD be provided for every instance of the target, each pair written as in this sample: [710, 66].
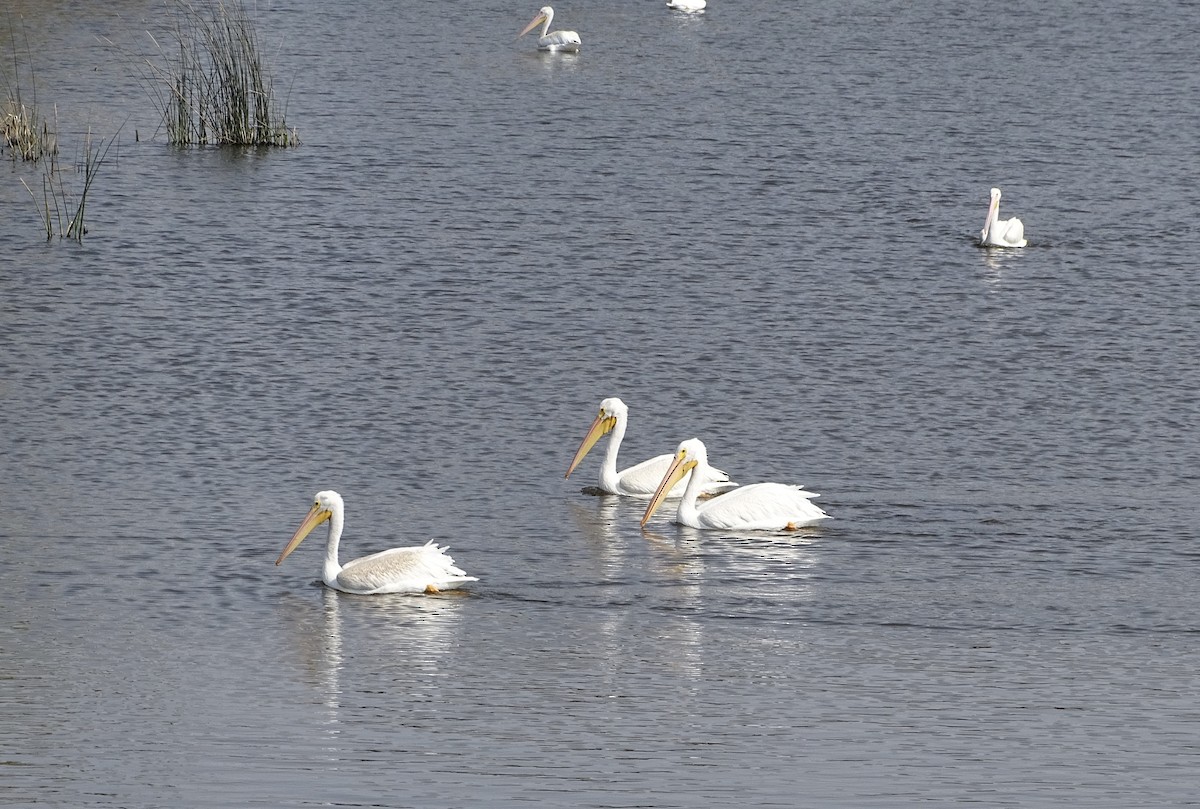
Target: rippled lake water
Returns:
[756, 226]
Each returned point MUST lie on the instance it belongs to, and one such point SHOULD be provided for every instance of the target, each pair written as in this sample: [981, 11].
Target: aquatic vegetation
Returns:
[27, 134]
[23, 129]
[212, 84]
[62, 205]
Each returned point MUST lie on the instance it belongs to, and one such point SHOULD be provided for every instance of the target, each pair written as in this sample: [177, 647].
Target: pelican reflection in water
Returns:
[378, 639]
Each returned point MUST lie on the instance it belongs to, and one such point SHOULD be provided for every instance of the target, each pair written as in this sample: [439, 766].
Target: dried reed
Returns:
[23, 129]
[26, 133]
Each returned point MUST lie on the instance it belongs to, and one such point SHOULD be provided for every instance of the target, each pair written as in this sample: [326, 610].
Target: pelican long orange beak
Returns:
[679, 467]
[534, 23]
[603, 425]
[316, 515]
[993, 212]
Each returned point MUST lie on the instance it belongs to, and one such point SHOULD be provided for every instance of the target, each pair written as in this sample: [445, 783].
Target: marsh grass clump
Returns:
[24, 131]
[213, 86]
[63, 203]
[27, 134]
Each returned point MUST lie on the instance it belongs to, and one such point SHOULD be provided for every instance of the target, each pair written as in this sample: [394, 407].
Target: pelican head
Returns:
[545, 15]
[992, 214]
[325, 505]
[612, 412]
[691, 453]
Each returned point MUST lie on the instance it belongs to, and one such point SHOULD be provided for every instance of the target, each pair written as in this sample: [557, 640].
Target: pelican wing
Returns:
[560, 40]
[402, 570]
[1005, 233]
[1012, 231]
[642, 480]
[761, 506]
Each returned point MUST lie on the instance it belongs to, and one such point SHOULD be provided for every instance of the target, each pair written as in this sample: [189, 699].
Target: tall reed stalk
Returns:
[218, 88]
[60, 207]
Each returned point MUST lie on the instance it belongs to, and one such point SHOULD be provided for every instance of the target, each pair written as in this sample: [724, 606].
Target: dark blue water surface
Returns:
[756, 226]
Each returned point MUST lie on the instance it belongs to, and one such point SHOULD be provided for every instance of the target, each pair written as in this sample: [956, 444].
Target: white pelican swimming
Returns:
[420, 569]
[640, 480]
[687, 5]
[757, 507]
[999, 232]
[551, 40]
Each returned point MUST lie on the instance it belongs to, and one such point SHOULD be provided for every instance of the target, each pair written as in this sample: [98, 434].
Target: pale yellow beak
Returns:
[316, 515]
[679, 467]
[600, 427]
[992, 211]
[534, 23]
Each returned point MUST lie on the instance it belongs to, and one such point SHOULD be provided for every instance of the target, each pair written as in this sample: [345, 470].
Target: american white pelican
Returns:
[999, 232]
[552, 40]
[640, 480]
[689, 6]
[420, 569]
[757, 507]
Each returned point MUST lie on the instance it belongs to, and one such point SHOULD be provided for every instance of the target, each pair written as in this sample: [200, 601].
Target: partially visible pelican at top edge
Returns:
[552, 40]
[420, 569]
[639, 480]
[687, 5]
[1001, 232]
[756, 507]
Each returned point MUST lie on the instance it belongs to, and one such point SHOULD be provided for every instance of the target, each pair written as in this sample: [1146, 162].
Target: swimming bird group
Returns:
[640, 480]
[569, 41]
[686, 475]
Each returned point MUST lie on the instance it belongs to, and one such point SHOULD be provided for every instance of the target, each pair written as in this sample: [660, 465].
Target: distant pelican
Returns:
[421, 569]
[640, 480]
[687, 5]
[1001, 232]
[552, 41]
[757, 507]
